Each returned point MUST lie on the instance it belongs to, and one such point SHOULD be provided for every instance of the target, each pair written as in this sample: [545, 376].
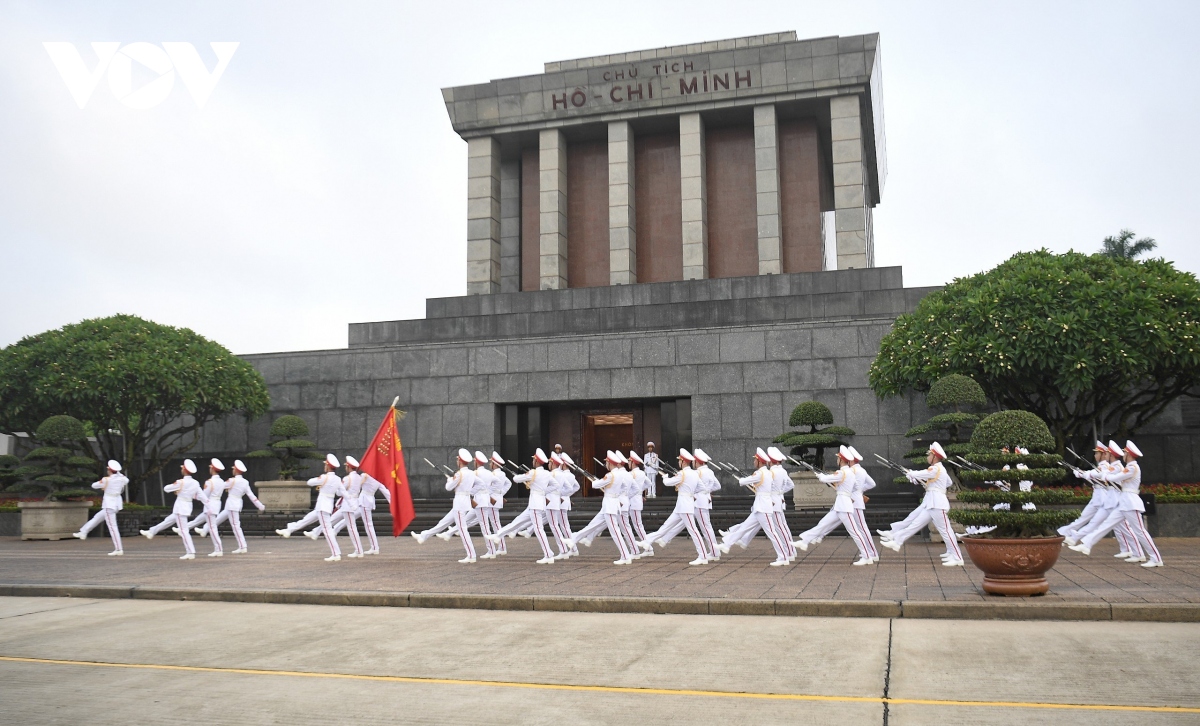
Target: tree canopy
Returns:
[144, 389]
[1084, 341]
[813, 414]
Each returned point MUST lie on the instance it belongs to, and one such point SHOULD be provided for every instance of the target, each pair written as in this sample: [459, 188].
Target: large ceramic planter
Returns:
[1014, 567]
[810, 493]
[52, 520]
[285, 496]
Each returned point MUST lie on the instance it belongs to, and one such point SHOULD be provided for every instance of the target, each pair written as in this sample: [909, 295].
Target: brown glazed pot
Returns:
[1014, 567]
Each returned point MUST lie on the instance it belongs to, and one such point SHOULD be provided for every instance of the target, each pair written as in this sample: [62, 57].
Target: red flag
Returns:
[384, 461]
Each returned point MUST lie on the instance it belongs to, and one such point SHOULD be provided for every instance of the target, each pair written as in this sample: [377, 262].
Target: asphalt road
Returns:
[71, 661]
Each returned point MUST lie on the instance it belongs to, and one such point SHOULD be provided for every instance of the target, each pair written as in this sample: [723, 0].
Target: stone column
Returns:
[852, 216]
[622, 209]
[483, 216]
[695, 197]
[510, 226]
[552, 177]
[766, 180]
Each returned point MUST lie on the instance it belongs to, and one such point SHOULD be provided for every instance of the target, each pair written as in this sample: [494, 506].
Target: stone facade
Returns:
[744, 350]
[753, 82]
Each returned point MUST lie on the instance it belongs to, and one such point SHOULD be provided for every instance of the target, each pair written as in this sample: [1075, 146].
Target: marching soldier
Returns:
[186, 490]
[1130, 507]
[935, 505]
[237, 487]
[113, 486]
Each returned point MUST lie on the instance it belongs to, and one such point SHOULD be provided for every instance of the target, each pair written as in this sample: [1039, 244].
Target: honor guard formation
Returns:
[479, 498]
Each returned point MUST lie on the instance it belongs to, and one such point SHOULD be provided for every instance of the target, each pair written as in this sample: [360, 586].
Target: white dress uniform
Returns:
[330, 487]
[641, 484]
[113, 486]
[554, 505]
[537, 480]
[863, 483]
[214, 488]
[650, 464]
[564, 486]
[708, 484]
[351, 509]
[186, 490]
[498, 486]
[368, 487]
[236, 487]
[684, 514]
[1109, 505]
[1129, 510]
[760, 483]
[781, 483]
[936, 481]
[463, 484]
[842, 512]
[610, 513]
[1094, 505]
[568, 487]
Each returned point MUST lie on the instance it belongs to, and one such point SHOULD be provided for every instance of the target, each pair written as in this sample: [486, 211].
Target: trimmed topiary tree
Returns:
[290, 446]
[1008, 430]
[8, 470]
[813, 414]
[57, 467]
[953, 392]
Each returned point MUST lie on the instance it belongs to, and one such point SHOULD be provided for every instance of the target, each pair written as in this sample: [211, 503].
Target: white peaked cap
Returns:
[216, 464]
[566, 459]
[621, 457]
[189, 466]
[332, 461]
[541, 456]
[845, 453]
[114, 465]
[633, 456]
[854, 452]
[703, 457]
[480, 457]
[1133, 449]
[496, 457]
[351, 461]
[649, 443]
[1115, 449]
[239, 466]
[1100, 446]
[556, 458]
[686, 455]
[775, 454]
[762, 455]
[612, 456]
[936, 448]
[464, 455]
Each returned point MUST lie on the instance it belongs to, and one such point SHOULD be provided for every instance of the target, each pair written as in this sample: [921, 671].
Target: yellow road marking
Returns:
[609, 689]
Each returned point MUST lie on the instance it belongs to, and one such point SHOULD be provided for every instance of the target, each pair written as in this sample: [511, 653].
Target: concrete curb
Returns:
[913, 609]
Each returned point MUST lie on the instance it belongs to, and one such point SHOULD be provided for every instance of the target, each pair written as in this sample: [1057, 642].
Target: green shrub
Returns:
[289, 447]
[57, 464]
[1009, 429]
[1014, 475]
[813, 414]
[1037, 496]
[1042, 523]
[950, 429]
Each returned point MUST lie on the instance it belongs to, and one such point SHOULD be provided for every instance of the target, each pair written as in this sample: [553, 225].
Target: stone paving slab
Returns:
[910, 584]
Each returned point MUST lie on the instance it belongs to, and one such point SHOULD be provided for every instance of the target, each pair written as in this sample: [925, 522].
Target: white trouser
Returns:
[464, 530]
[860, 516]
[784, 533]
[675, 524]
[109, 517]
[443, 524]
[351, 520]
[638, 526]
[214, 532]
[338, 521]
[180, 521]
[564, 528]
[304, 521]
[235, 523]
[327, 529]
[704, 523]
[554, 517]
[524, 519]
[599, 523]
[940, 522]
[1136, 523]
[897, 526]
[1085, 517]
[369, 526]
[743, 534]
[493, 516]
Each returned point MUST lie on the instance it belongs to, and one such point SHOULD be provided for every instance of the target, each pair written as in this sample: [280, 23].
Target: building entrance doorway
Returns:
[603, 433]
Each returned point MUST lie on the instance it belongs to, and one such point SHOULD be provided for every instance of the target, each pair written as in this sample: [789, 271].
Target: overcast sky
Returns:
[321, 184]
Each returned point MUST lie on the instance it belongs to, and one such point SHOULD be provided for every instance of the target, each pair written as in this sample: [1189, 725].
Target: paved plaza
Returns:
[1096, 587]
[78, 660]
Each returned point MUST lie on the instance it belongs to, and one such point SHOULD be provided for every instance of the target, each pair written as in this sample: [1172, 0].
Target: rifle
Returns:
[1077, 456]
[448, 469]
[891, 464]
[805, 465]
[970, 464]
[517, 467]
[586, 473]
